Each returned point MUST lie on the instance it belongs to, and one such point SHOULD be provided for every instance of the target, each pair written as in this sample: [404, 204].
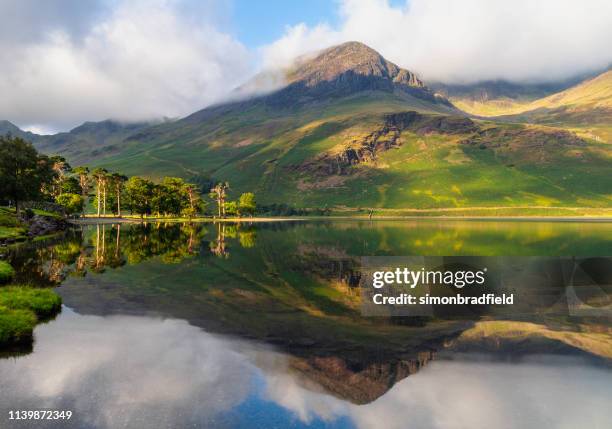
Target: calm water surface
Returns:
[259, 326]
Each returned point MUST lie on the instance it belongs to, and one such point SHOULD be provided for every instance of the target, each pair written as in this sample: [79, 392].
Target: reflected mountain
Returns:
[125, 371]
[296, 286]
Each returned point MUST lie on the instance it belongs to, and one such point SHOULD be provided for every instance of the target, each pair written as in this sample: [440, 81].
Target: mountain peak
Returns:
[350, 58]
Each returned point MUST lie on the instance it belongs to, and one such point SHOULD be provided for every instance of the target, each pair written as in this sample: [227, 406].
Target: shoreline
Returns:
[267, 219]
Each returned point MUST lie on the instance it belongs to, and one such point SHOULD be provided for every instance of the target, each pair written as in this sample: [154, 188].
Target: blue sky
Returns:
[258, 23]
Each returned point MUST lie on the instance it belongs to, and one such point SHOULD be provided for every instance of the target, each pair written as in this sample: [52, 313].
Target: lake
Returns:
[260, 325]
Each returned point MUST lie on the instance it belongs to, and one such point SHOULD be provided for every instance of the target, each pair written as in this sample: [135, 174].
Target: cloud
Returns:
[135, 61]
[469, 40]
[68, 61]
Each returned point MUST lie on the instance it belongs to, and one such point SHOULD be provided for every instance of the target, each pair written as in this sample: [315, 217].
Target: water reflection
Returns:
[149, 296]
[124, 371]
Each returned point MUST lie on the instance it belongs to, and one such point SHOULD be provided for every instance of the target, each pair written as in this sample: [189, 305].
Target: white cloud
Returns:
[138, 61]
[469, 40]
[64, 63]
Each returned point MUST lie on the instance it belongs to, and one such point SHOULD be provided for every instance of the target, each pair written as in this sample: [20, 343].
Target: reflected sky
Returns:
[133, 372]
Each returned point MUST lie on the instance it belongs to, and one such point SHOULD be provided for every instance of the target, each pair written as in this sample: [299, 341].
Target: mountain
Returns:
[587, 105]
[82, 144]
[489, 98]
[347, 128]
[584, 107]
[344, 70]
[9, 128]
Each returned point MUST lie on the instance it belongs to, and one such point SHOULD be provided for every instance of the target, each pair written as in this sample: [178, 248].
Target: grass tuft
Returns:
[21, 308]
[6, 272]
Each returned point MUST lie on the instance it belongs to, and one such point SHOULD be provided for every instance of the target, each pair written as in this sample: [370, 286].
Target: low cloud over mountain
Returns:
[468, 40]
[64, 63]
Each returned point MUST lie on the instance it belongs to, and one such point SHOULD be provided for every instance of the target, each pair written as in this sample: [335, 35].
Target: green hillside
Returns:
[351, 129]
[282, 158]
[584, 108]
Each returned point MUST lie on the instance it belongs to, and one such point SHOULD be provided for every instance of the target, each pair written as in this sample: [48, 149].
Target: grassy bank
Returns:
[21, 308]
[493, 212]
[6, 272]
[13, 229]
[10, 227]
[378, 213]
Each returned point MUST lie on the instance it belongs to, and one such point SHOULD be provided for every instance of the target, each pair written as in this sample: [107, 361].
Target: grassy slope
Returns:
[257, 149]
[585, 108]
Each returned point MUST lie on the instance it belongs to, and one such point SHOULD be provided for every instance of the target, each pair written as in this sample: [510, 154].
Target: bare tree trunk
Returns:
[118, 243]
[119, 200]
[97, 245]
[104, 197]
[98, 195]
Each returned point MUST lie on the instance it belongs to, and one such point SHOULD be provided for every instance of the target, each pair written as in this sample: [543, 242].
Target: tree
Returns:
[117, 180]
[99, 175]
[219, 192]
[139, 194]
[71, 185]
[176, 196]
[72, 203]
[83, 174]
[246, 204]
[231, 208]
[23, 172]
[104, 182]
[195, 202]
[61, 168]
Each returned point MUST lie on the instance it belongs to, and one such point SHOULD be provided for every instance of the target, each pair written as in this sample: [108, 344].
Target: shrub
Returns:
[6, 272]
[16, 325]
[42, 302]
[247, 204]
[72, 203]
[21, 308]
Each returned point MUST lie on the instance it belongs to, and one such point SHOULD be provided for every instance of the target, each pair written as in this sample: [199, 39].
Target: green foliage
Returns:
[170, 197]
[72, 203]
[71, 185]
[10, 227]
[231, 208]
[6, 272]
[42, 302]
[16, 325]
[23, 171]
[247, 204]
[139, 194]
[21, 308]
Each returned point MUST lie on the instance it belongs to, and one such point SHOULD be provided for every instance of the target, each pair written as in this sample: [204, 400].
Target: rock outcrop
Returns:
[385, 137]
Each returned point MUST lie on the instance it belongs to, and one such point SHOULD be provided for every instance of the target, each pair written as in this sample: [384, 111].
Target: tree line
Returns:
[26, 175]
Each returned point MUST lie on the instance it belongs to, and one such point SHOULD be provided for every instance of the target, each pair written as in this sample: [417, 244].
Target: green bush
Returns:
[16, 325]
[42, 302]
[21, 308]
[72, 203]
[6, 272]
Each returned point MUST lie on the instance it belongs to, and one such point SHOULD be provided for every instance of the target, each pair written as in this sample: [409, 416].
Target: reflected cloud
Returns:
[550, 391]
[124, 371]
[119, 371]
